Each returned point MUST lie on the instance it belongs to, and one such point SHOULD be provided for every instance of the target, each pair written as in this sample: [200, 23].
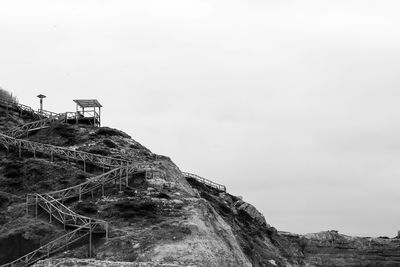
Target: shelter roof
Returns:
[88, 103]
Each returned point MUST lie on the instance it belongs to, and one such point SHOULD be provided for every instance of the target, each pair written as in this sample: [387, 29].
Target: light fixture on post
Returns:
[41, 102]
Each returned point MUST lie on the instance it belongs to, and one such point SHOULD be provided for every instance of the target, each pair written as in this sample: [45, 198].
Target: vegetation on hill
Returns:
[4, 94]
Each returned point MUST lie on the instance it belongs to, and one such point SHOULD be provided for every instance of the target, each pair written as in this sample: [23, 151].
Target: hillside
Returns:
[114, 201]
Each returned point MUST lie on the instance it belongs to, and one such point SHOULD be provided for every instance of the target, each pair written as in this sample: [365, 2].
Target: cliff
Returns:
[156, 216]
[330, 248]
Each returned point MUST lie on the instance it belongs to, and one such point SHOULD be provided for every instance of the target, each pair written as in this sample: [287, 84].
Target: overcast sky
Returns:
[293, 105]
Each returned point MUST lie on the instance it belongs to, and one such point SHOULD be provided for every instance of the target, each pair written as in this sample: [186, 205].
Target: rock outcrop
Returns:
[251, 211]
[333, 249]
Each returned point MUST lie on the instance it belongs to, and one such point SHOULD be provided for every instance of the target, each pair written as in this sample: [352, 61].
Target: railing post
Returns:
[84, 164]
[51, 156]
[36, 206]
[27, 204]
[50, 212]
[102, 189]
[120, 181]
[120, 185]
[66, 242]
[80, 194]
[106, 231]
[127, 174]
[34, 153]
[90, 238]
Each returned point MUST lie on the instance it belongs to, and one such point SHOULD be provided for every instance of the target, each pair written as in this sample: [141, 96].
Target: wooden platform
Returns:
[85, 120]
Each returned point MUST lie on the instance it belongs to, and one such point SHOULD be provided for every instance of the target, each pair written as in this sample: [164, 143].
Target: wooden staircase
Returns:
[51, 248]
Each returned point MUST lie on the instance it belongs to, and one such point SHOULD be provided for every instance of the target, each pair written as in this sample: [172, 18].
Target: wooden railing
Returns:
[76, 116]
[20, 108]
[62, 152]
[51, 248]
[48, 113]
[23, 130]
[63, 214]
[119, 176]
[205, 181]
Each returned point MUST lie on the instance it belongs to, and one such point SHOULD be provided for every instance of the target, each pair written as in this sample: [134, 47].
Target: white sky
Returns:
[291, 104]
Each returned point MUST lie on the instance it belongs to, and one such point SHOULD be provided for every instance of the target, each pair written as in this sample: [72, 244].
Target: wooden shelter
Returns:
[88, 111]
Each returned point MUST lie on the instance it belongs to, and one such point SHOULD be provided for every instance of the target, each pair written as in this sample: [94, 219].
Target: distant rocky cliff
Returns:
[333, 249]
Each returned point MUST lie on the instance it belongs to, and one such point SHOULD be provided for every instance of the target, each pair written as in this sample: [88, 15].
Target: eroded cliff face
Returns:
[263, 245]
[259, 241]
[330, 248]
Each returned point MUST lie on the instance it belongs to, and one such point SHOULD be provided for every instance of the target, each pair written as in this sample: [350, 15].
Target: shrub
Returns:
[7, 95]
[99, 151]
[65, 130]
[86, 208]
[81, 176]
[163, 195]
[4, 200]
[15, 182]
[109, 143]
[106, 131]
[69, 133]
[135, 146]
[13, 170]
[129, 209]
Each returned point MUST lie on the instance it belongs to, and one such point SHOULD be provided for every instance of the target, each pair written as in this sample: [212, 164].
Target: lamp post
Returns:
[41, 102]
